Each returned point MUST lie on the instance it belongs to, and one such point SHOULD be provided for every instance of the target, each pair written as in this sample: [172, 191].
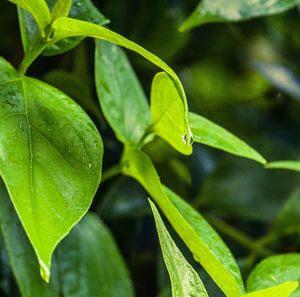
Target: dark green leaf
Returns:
[209, 11]
[184, 279]
[275, 270]
[120, 94]
[90, 263]
[50, 159]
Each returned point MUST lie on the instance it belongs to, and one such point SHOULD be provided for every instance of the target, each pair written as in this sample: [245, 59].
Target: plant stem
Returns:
[111, 172]
[238, 236]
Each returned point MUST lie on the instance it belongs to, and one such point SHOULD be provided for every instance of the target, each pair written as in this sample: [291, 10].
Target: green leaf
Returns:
[208, 133]
[167, 110]
[209, 11]
[184, 279]
[50, 159]
[283, 290]
[61, 9]
[66, 27]
[274, 271]
[38, 9]
[80, 9]
[21, 255]
[207, 247]
[120, 94]
[288, 165]
[90, 263]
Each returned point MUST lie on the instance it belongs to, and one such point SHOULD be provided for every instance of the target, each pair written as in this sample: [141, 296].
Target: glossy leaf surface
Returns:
[283, 290]
[50, 159]
[209, 11]
[21, 254]
[184, 279]
[80, 9]
[90, 263]
[66, 27]
[38, 9]
[208, 133]
[274, 271]
[168, 113]
[207, 247]
[61, 9]
[120, 94]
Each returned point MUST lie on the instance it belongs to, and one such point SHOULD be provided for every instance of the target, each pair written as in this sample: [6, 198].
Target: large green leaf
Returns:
[120, 94]
[61, 9]
[282, 290]
[207, 247]
[38, 9]
[274, 271]
[184, 279]
[80, 9]
[50, 159]
[67, 27]
[211, 134]
[167, 110]
[288, 165]
[21, 255]
[209, 11]
[90, 263]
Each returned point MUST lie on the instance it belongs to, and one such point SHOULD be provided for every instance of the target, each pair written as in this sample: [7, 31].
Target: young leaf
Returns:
[21, 255]
[90, 263]
[80, 9]
[120, 94]
[207, 247]
[50, 159]
[61, 9]
[184, 279]
[38, 9]
[288, 165]
[209, 11]
[206, 132]
[67, 27]
[274, 271]
[283, 290]
[168, 113]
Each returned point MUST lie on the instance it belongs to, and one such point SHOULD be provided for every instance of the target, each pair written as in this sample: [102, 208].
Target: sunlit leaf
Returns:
[206, 132]
[61, 9]
[184, 279]
[288, 165]
[275, 270]
[207, 247]
[120, 94]
[283, 290]
[90, 263]
[209, 11]
[50, 159]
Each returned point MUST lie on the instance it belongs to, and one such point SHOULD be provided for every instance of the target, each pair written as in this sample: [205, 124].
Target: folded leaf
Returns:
[90, 263]
[184, 279]
[288, 165]
[120, 94]
[50, 159]
[276, 270]
[283, 290]
[207, 247]
[21, 254]
[209, 11]
[67, 27]
[38, 9]
[168, 113]
[206, 132]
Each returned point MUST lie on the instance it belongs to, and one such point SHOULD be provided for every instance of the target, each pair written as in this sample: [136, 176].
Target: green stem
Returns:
[238, 236]
[111, 172]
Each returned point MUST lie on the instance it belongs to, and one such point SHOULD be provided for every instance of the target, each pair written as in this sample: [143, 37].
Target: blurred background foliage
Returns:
[245, 77]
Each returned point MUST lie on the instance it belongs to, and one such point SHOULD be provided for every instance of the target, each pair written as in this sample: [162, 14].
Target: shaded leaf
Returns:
[274, 271]
[208, 133]
[184, 279]
[50, 159]
[90, 263]
[120, 94]
[209, 11]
